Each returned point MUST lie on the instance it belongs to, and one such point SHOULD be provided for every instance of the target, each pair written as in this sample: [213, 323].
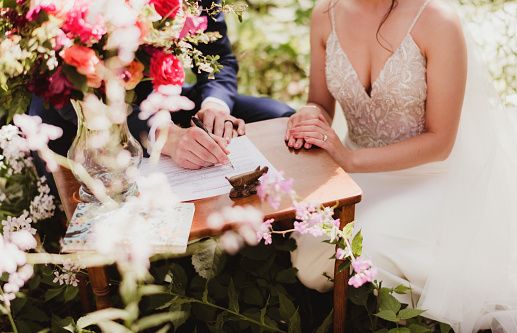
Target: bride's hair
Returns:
[394, 4]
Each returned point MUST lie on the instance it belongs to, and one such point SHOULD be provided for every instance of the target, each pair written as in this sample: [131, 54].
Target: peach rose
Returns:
[82, 58]
[135, 73]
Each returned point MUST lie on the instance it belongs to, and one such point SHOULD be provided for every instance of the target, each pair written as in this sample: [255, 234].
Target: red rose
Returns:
[166, 69]
[166, 8]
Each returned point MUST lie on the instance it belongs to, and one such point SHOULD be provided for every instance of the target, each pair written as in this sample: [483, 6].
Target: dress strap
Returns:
[332, 15]
[418, 15]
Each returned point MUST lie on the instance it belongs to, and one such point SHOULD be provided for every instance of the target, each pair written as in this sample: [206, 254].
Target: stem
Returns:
[194, 300]
[350, 247]
[11, 319]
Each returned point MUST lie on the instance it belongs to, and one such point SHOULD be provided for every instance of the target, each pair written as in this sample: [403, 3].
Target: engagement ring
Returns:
[324, 137]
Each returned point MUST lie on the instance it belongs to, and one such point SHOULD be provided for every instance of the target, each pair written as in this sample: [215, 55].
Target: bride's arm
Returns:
[441, 39]
[320, 101]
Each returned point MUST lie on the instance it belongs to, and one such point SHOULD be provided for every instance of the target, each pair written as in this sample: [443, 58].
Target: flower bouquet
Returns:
[94, 53]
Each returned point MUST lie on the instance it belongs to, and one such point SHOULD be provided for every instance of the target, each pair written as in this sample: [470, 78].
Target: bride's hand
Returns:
[306, 113]
[319, 133]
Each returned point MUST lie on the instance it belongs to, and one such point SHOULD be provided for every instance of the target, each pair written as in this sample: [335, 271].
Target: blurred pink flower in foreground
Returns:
[363, 272]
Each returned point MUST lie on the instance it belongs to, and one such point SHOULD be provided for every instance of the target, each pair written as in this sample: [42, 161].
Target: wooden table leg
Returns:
[100, 285]
[346, 215]
[84, 293]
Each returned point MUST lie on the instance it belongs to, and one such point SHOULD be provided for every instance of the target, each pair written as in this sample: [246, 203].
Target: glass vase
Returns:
[107, 152]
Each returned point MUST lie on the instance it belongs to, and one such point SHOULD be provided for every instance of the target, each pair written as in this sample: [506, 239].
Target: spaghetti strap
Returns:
[416, 17]
[332, 15]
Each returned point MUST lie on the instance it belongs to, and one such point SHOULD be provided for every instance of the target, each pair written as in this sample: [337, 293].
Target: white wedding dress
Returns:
[447, 229]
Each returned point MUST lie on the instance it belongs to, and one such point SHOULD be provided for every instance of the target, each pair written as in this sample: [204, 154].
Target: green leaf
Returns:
[415, 328]
[388, 315]
[264, 310]
[388, 301]
[410, 313]
[156, 319]
[70, 292]
[51, 293]
[78, 80]
[205, 293]
[295, 323]
[400, 330]
[100, 316]
[287, 275]
[182, 308]
[233, 297]
[209, 261]
[347, 230]
[33, 313]
[286, 308]
[220, 320]
[252, 296]
[383, 330]
[344, 265]
[357, 244]
[327, 323]
[401, 289]
[445, 328]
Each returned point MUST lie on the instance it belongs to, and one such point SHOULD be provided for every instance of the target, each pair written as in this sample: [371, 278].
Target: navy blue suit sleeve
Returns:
[224, 86]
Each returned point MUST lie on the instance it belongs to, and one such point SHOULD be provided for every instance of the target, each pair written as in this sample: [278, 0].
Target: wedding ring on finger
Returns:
[228, 121]
[324, 137]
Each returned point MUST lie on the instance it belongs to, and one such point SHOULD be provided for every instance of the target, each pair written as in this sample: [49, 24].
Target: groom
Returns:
[218, 105]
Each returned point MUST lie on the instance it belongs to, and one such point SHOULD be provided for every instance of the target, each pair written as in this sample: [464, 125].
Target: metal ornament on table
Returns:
[246, 183]
[107, 151]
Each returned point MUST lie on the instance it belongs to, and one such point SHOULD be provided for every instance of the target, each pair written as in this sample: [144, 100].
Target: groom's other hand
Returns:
[217, 120]
[305, 113]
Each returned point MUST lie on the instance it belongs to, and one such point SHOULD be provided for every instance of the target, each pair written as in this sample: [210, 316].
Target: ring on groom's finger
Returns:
[229, 121]
[324, 137]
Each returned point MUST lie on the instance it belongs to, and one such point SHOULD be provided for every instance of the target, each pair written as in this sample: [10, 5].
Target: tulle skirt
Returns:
[447, 229]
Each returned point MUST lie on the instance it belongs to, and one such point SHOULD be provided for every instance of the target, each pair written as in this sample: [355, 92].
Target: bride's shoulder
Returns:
[439, 26]
[439, 13]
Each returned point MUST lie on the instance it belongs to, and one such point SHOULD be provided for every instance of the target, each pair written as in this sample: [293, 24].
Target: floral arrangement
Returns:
[62, 50]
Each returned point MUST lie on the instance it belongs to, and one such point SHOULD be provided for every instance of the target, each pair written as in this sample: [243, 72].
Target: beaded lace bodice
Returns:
[395, 108]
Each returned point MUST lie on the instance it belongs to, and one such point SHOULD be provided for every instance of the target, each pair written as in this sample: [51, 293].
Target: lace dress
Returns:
[422, 223]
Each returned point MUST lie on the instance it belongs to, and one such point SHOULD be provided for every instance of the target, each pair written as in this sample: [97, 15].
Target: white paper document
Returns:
[210, 181]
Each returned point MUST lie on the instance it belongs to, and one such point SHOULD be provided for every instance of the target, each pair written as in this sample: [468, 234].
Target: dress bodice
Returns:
[395, 109]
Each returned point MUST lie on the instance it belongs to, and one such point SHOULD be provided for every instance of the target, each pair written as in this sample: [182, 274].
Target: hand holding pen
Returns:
[198, 123]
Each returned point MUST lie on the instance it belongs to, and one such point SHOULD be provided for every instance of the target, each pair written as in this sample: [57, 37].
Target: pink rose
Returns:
[166, 8]
[166, 69]
[82, 58]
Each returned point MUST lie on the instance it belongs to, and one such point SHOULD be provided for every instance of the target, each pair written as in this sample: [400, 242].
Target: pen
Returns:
[199, 124]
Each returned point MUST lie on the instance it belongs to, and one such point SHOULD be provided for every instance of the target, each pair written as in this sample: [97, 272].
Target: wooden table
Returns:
[316, 178]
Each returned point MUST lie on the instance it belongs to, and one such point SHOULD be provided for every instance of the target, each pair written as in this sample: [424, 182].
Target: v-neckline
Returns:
[358, 80]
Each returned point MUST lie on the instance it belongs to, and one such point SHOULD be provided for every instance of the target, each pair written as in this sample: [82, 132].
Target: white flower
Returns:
[23, 239]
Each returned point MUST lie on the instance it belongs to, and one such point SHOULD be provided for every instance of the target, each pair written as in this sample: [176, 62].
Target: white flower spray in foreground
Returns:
[317, 220]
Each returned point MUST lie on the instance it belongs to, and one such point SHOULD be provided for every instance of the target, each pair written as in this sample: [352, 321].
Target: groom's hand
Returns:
[217, 120]
[192, 148]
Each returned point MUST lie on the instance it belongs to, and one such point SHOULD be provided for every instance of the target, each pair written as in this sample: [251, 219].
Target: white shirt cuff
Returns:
[218, 101]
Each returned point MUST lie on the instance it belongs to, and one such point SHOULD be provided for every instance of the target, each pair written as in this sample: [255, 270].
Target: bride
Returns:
[430, 148]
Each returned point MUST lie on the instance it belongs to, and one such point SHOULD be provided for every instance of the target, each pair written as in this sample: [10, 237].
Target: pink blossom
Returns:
[36, 133]
[77, 25]
[301, 227]
[192, 25]
[364, 272]
[33, 13]
[265, 231]
[166, 69]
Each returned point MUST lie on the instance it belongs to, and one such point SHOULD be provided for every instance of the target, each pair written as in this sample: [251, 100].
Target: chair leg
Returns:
[346, 215]
[84, 293]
